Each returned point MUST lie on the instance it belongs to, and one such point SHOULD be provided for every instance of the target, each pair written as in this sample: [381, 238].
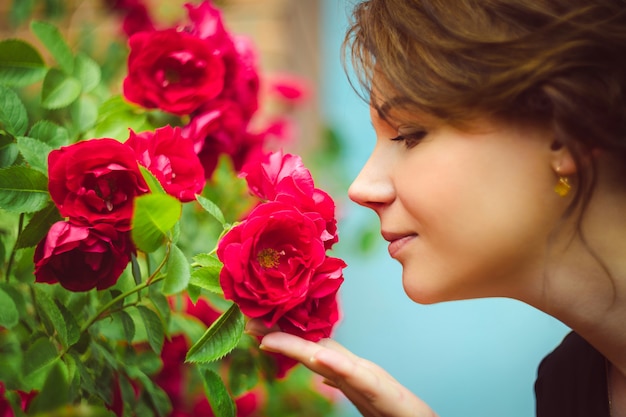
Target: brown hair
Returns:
[561, 63]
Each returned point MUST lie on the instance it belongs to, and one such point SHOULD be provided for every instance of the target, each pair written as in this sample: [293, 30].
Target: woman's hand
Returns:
[370, 388]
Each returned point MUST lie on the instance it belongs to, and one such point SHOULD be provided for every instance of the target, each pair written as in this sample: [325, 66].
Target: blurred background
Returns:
[472, 358]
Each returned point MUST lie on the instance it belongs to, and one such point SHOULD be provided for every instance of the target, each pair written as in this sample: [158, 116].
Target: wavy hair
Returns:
[560, 63]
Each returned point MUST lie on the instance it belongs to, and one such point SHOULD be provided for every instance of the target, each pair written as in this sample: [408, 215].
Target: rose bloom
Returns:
[315, 318]
[173, 71]
[270, 260]
[220, 129]
[241, 83]
[95, 181]
[284, 178]
[172, 160]
[81, 258]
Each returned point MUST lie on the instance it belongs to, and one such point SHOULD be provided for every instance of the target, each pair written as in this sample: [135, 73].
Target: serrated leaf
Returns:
[38, 226]
[54, 393]
[154, 328]
[221, 402]
[13, 116]
[50, 36]
[208, 278]
[178, 272]
[9, 316]
[153, 217]
[51, 315]
[20, 63]
[23, 190]
[59, 90]
[40, 354]
[206, 259]
[50, 133]
[87, 71]
[84, 112]
[116, 116]
[154, 184]
[35, 152]
[219, 339]
[8, 151]
[71, 325]
[212, 209]
[128, 325]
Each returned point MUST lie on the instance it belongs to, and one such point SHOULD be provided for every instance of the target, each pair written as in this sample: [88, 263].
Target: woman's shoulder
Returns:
[571, 381]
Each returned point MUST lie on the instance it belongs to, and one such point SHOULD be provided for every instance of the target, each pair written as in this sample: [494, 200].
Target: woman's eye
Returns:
[410, 139]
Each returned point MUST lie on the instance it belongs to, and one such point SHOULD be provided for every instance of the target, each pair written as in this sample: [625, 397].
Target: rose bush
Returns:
[132, 249]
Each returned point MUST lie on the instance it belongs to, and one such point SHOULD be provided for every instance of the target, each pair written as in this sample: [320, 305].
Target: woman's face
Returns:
[466, 214]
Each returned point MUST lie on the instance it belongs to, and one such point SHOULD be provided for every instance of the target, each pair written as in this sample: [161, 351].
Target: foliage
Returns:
[111, 300]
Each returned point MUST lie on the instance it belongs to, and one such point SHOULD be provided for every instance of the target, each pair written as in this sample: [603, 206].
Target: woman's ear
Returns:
[562, 160]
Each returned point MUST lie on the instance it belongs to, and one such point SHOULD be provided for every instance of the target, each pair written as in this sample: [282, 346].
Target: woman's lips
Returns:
[395, 245]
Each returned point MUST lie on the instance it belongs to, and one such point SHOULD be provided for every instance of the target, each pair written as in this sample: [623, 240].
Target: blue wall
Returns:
[466, 359]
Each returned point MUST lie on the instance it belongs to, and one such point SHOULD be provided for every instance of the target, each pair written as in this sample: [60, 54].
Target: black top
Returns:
[571, 381]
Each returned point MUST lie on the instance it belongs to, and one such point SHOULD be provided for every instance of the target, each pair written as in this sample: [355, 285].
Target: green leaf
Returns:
[20, 63]
[54, 393]
[50, 36]
[116, 116]
[13, 116]
[38, 226]
[51, 316]
[50, 133]
[208, 278]
[9, 315]
[212, 209]
[206, 259]
[178, 272]
[154, 216]
[242, 372]
[84, 112]
[23, 190]
[35, 152]
[8, 151]
[128, 325]
[59, 90]
[217, 394]
[154, 328]
[71, 325]
[39, 355]
[219, 339]
[87, 71]
[153, 183]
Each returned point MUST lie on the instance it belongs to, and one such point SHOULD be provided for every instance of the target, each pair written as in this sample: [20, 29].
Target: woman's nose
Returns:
[373, 187]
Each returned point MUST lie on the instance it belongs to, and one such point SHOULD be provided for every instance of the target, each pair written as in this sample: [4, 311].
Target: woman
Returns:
[499, 170]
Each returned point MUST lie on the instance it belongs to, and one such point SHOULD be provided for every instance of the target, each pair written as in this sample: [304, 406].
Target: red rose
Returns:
[173, 71]
[276, 172]
[284, 178]
[95, 181]
[315, 318]
[80, 257]
[270, 260]
[171, 158]
[220, 129]
[241, 83]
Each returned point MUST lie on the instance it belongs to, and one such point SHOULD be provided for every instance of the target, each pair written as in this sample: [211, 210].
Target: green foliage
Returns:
[76, 352]
[219, 339]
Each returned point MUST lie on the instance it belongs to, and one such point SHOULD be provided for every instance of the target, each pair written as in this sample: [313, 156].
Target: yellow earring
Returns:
[563, 186]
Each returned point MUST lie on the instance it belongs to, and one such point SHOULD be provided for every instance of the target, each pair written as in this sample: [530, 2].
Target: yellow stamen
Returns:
[269, 258]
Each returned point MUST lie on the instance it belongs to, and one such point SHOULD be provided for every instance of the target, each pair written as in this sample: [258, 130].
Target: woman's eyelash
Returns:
[410, 139]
